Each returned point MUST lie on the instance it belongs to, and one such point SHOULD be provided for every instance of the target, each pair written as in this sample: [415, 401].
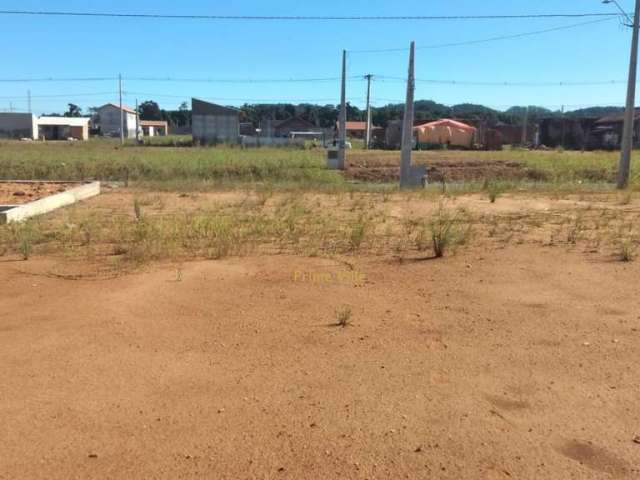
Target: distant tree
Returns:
[534, 113]
[594, 112]
[149, 110]
[354, 114]
[73, 111]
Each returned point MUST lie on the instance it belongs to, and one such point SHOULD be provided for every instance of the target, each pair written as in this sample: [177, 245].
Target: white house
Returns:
[27, 125]
[63, 128]
[107, 119]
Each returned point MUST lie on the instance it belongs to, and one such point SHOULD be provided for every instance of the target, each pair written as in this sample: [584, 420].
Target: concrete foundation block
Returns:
[17, 213]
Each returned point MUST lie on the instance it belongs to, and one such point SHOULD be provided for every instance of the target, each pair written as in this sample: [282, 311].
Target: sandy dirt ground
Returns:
[18, 193]
[519, 362]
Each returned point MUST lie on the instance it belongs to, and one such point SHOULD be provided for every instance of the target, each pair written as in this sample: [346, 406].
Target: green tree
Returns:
[149, 110]
[73, 111]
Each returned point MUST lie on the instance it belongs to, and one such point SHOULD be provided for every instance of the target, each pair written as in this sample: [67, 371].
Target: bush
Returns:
[448, 230]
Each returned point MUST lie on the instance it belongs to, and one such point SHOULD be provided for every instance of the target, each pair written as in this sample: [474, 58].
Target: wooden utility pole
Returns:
[407, 124]
[121, 111]
[367, 138]
[629, 113]
[342, 121]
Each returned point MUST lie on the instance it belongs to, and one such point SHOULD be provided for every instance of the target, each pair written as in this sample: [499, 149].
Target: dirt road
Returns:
[508, 363]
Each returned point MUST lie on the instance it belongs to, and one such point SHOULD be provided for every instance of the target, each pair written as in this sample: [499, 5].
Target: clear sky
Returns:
[35, 47]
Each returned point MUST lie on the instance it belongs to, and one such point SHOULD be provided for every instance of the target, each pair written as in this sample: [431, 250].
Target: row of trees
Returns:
[326, 116]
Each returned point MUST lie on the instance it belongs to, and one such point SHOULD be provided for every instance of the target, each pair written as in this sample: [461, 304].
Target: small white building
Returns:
[107, 120]
[27, 125]
[154, 128]
[63, 128]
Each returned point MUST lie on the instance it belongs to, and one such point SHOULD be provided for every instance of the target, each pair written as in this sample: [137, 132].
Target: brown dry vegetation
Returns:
[126, 227]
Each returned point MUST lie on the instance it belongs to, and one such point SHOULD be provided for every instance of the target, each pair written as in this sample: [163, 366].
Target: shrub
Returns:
[494, 190]
[358, 232]
[343, 317]
[627, 251]
[448, 230]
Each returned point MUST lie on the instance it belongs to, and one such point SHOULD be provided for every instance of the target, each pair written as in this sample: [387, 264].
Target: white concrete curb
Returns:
[17, 213]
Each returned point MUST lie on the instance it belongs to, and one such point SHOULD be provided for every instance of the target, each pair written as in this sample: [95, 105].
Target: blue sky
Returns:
[95, 47]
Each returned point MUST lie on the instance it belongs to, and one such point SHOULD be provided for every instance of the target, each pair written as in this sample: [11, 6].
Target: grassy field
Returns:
[168, 167]
[199, 168]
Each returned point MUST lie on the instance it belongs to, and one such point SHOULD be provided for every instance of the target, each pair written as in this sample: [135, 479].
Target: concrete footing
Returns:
[17, 213]
[414, 178]
[335, 161]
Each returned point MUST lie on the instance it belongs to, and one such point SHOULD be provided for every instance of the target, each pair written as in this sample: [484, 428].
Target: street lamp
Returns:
[627, 132]
[630, 24]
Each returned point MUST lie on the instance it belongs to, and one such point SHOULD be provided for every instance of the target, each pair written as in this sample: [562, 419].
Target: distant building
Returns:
[512, 134]
[569, 133]
[154, 128]
[587, 133]
[247, 129]
[63, 128]
[213, 123]
[446, 132]
[607, 131]
[18, 125]
[359, 129]
[107, 120]
[284, 128]
[27, 125]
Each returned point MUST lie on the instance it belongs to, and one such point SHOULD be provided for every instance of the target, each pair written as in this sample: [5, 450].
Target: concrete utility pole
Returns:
[121, 111]
[629, 113]
[342, 121]
[367, 138]
[525, 125]
[29, 100]
[564, 130]
[407, 124]
[137, 122]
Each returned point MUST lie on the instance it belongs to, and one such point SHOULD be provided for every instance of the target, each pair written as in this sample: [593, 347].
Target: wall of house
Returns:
[215, 128]
[18, 125]
[109, 121]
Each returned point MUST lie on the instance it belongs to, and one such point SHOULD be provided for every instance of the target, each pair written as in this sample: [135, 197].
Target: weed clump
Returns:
[448, 230]
[357, 232]
[494, 190]
[627, 251]
[343, 317]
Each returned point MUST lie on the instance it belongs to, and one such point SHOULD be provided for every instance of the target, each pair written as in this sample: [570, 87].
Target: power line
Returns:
[238, 80]
[60, 79]
[179, 80]
[354, 78]
[59, 95]
[302, 17]
[486, 40]
[233, 99]
[384, 78]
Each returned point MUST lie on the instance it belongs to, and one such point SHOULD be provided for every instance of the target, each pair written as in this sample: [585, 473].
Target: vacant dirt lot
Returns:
[475, 166]
[460, 170]
[17, 193]
[517, 360]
